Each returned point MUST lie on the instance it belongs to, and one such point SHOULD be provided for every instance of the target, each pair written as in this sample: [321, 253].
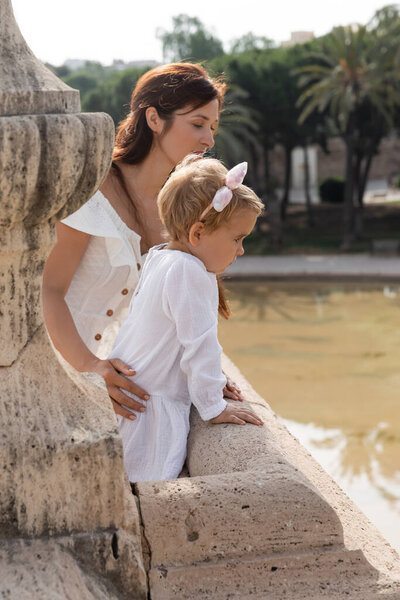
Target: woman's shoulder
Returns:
[98, 218]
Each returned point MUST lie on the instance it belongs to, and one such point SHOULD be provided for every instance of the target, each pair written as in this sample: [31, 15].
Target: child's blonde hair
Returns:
[191, 188]
[188, 192]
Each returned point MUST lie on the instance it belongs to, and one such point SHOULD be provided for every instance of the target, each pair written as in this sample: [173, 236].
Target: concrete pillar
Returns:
[62, 476]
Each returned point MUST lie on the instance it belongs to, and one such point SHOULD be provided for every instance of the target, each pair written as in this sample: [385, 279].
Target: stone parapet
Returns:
[69, 525]
[49, 165]
[259, 518]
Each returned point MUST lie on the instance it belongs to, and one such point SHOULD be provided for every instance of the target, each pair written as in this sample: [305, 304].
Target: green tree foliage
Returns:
[354, 81]
[61, 71]
[237, 138]
[272, 92]
[82, 82]
[188, 40]
[249, 42]
[113, 95]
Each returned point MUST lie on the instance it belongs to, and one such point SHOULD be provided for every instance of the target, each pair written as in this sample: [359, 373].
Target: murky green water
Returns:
[327, 359]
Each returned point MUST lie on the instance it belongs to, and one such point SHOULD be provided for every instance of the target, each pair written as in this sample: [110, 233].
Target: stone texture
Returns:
[56, 569]
[339, 575]
[49, 165]
[26, 85]
[69, 525]
[258, 518]
[236, 515]
[61, 457]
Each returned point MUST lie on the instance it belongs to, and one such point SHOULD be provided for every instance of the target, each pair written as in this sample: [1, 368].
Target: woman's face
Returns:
[191, 131]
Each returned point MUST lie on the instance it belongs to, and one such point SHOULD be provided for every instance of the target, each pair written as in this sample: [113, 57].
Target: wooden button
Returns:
[139, 266]
[124, 292]
[110, 312]
[97, 336]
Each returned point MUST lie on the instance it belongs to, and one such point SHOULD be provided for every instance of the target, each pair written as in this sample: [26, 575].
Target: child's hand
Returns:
[232, 391]
[239, 415]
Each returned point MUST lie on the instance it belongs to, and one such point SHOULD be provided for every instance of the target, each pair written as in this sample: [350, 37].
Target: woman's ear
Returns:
[154, 120]
[196, 232]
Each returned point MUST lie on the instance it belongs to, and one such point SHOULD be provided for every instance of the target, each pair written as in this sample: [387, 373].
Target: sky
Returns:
[126, 29]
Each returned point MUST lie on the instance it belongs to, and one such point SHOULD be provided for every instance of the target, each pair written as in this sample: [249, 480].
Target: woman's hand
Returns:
[239, 415]
[113, 371]
[231, 390]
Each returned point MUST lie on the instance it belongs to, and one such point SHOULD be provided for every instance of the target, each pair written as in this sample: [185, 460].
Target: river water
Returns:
[326, 357]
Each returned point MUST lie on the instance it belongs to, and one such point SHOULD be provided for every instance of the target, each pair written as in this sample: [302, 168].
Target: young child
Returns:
[170, 335]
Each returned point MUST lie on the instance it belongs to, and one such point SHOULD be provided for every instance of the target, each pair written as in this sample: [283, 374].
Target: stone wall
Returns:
[385, 165]
[259, 518]
[69, 526]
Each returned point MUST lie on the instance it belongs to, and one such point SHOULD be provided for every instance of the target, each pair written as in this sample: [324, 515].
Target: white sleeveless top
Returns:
[100, 291]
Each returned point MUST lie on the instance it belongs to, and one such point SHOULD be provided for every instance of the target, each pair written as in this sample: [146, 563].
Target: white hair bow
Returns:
[223, 196]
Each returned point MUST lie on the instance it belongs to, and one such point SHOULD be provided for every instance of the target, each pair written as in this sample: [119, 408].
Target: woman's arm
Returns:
[59, 270]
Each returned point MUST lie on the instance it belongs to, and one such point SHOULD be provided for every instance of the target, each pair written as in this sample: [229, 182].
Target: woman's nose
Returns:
[209, 139]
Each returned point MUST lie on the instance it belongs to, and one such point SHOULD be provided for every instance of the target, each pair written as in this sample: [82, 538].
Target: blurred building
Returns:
[385, 167]
[121, 65]
[298, 37]
[74, 63]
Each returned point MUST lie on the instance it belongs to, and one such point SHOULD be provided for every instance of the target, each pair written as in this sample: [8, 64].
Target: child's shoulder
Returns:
[183, 261]
[181, 265]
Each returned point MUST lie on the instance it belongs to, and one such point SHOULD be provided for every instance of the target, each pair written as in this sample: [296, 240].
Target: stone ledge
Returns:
[341, 575]
[259, 518]
[235, 515]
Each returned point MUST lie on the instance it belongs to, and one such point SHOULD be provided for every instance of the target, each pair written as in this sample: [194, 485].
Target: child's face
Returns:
[219, 249]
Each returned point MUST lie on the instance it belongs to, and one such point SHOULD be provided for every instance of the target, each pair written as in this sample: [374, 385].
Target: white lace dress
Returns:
[108, 273]
[170, 339]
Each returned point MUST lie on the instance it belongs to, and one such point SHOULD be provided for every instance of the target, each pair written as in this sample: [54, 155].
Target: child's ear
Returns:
[196, 232]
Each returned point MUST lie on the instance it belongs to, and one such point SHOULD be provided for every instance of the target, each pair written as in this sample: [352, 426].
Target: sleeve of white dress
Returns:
[191, 299]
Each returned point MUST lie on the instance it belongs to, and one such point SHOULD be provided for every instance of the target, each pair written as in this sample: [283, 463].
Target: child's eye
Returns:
[197, 125]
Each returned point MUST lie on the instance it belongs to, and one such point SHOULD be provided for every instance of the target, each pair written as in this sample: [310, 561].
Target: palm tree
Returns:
[355, 67]
[237, 133]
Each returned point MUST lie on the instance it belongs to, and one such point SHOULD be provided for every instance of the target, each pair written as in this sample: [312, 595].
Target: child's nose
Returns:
[240, 250]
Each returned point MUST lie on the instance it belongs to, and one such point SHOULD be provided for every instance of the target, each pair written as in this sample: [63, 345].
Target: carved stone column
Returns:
[62, 476]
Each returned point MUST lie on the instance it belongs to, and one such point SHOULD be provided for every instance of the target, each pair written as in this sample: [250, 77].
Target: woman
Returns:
[94, 267]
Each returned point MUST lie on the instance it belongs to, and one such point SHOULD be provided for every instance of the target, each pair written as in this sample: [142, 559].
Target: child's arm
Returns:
[191, 300]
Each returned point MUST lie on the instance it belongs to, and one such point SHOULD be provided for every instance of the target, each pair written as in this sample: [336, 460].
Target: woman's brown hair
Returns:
[167, 88]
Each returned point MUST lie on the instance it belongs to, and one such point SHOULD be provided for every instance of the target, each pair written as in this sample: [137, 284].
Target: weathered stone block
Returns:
[341, 575]
[235, 515]
[61, 454]
[54, 569]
